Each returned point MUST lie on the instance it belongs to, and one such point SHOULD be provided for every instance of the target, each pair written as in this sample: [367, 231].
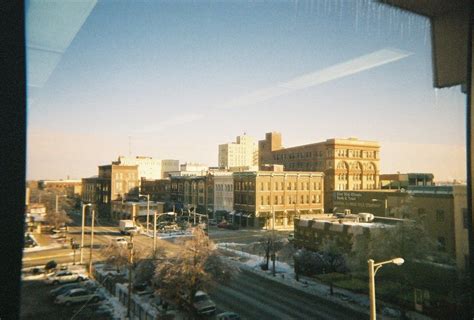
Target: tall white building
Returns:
[148, 167]
[242, 153]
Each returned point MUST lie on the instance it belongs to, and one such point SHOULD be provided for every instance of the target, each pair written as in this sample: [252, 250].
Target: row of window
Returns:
[122, 175]
[298, 155]
[279, 199]
[356, 153]
[225, 187]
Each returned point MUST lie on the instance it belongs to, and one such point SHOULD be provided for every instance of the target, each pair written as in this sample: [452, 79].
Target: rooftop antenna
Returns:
[129, 146]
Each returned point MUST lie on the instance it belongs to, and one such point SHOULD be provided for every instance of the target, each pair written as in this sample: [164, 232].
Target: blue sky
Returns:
[162, 73]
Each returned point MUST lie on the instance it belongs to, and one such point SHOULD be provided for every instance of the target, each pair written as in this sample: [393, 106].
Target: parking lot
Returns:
[37, 304]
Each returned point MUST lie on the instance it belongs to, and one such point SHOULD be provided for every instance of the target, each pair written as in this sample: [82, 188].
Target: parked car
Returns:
[291, 237]
[64, 276]
[100, 311]
[232, 226]
[228, 316]
[78, 296]
[29, 242]
[203, 304]
[223, 224]
[89, 285]
[121, 241]
[63, 289]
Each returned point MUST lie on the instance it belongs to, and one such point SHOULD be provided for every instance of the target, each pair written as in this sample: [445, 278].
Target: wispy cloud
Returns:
[362, 63]
[176, 120]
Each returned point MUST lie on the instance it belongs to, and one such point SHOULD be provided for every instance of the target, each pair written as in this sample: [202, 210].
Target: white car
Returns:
[77, 296]
[64, 276]
[121, 241]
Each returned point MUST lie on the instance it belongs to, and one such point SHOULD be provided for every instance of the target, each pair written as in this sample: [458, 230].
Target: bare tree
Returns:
[57, 219]
[119, 255]
[196, 266]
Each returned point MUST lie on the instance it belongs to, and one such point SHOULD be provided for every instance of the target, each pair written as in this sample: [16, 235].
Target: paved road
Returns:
[254, 297]
[251, 296]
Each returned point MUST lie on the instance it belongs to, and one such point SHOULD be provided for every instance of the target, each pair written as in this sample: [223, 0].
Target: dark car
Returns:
[232, 226]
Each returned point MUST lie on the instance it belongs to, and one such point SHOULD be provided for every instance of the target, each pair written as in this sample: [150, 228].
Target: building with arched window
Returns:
[348, 164]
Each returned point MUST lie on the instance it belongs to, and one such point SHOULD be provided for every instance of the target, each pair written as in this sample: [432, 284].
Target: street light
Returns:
[82, 230]
[373, 267]
[147, 209]
[92, 243]
[385, 202]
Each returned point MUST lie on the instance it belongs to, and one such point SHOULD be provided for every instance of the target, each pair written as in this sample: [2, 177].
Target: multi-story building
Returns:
[348, 164]
[114, 182]
[148, 167]
[189, 169]
[223, 191]
[441, 209]
[167, 166]
[403, 180]
[136, 210]
[159, 189]
[242, 153]
[69, 187]
[266, 196]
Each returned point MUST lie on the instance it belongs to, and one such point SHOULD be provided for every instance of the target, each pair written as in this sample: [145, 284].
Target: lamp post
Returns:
[82, 230]
[385, 204]
[92, 243]
[373, 267]
[147, 209]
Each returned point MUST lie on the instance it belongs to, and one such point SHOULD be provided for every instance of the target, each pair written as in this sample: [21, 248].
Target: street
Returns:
[255, 297]
[250, 295]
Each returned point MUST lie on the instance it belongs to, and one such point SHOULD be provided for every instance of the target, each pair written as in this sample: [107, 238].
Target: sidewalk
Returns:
[285, 275]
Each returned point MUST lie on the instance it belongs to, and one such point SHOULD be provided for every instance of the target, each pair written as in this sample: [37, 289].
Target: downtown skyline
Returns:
[178, 79]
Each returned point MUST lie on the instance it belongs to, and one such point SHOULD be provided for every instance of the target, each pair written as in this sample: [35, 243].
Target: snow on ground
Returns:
[41, 248]
[168, 235]
[285, 275]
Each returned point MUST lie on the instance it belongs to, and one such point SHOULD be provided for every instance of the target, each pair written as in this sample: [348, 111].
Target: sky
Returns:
[174, 79]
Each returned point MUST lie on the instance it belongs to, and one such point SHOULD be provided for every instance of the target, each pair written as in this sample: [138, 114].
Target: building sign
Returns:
[357, 202]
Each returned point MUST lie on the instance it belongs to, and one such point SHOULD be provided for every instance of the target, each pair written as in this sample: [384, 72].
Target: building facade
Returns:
[114, 182]
[71, 188]
[223, 191]
[189, 169]
[403, 180]
[347, 164]
[159, 189]
[136, 210]
[441, 209]
[148, 167]
[267, 198]
[242, 153]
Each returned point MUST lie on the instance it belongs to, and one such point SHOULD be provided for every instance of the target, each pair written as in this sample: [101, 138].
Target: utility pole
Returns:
[154, 232]
[92, 243]
[82, 230]
[129, 302]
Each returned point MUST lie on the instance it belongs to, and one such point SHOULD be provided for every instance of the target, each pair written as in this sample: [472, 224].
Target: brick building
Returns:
[347, 164]
[260, 194]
